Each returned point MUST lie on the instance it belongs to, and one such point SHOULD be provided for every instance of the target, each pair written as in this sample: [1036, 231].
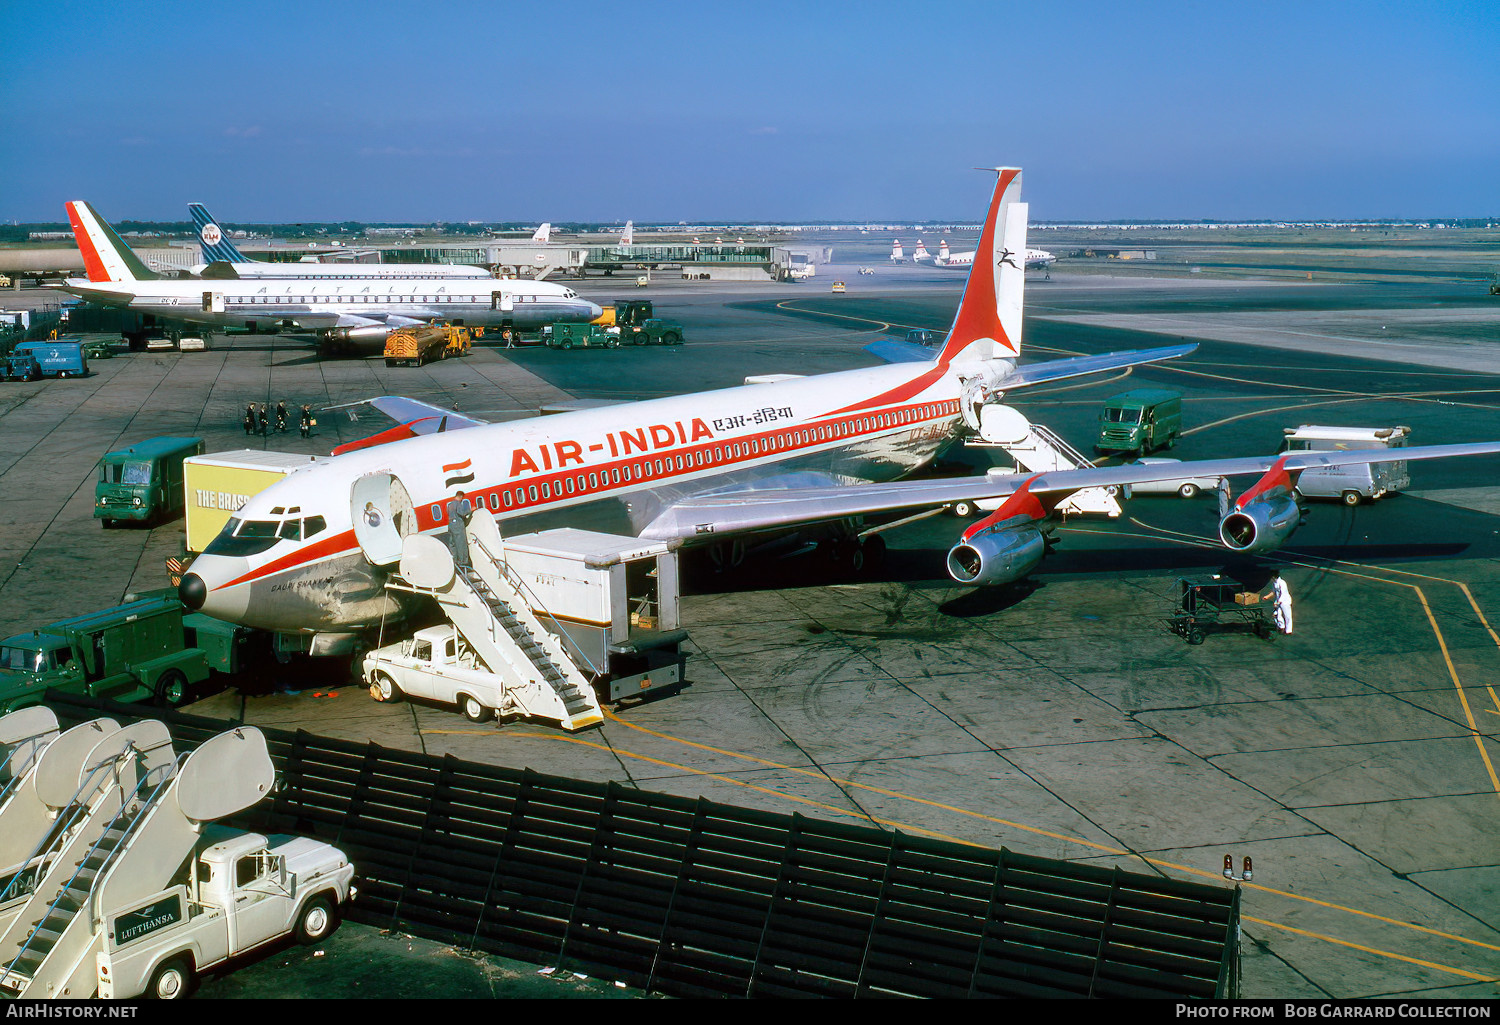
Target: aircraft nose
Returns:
[595, 311]
[192, 592]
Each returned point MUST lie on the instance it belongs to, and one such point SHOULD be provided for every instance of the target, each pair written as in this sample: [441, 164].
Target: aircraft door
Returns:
[383, 517]
[213, 302]
[505, 302]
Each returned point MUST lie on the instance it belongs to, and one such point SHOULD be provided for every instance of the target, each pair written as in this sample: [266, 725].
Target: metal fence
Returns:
[687, 897]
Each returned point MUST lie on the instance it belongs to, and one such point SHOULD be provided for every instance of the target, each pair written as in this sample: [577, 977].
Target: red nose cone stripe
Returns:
[312, 553]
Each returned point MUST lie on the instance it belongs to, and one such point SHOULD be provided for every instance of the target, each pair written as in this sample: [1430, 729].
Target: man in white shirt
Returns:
[1283, 613]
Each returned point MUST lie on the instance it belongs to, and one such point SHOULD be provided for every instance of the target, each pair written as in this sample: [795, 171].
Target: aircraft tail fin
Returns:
[627, 237]
[543, 234]
[105, 256]
[988, 322]
[211, 238]
[896, 253]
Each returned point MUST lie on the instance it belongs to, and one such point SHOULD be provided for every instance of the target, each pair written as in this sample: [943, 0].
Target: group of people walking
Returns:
[258, 419]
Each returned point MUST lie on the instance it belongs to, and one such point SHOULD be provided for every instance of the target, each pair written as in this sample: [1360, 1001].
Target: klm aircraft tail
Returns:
[105, 257]
[216, 247]
[988, 323]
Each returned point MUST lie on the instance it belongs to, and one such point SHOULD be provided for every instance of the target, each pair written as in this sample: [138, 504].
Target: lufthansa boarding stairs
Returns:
[492, 612]
[163, 801]
[1037, 449]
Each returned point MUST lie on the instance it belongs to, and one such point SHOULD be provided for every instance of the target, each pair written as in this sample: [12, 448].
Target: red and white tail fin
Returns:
[105, 257]
[627, 237]
[988, 322]
[543, 234]
[943, 250]
[919, 253]
[896, 254]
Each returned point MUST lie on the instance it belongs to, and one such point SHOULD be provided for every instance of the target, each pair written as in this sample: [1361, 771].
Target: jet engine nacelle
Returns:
[1261, 526]
[997, 556]
[354, 335]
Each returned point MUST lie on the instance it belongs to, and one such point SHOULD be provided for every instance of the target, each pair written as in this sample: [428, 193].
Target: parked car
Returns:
[838, 286]
[1187, 487]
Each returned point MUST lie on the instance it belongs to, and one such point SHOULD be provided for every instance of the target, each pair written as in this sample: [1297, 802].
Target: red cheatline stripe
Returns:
[335, 545]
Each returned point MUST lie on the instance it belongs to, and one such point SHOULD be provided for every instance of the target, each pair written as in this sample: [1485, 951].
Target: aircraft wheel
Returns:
[1188, 491]
[172, 980]
[964, 509]
[383, 688]
[874, 549]
[1351, 498]
[473, 710]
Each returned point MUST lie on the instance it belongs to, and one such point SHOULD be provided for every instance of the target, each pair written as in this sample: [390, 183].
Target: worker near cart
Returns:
[1283, 611]
[459, 510]
[281, 418]
[250, 418]
[305, 421]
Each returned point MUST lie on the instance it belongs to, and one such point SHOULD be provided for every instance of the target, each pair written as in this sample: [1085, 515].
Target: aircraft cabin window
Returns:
[437, 513]
[532, 492]
[615, 475]
[507, 500]
[546, 490]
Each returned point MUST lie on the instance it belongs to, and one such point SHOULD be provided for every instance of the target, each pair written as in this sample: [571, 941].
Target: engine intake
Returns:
[997, 556]
[1261, 526]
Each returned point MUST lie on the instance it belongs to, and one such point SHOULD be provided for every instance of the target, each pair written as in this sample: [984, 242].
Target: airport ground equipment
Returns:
[57, 358]
[1349, 484]
[544, 625]
[21, 366]
[1036, 449]
[218, 483]
[1495, 285]
[581, 336]
[684, 896]
[143, 482]
[1203, 603]
[639, 324]
[131, 652]
[143, 890]
[417, 346]
[1141, 421]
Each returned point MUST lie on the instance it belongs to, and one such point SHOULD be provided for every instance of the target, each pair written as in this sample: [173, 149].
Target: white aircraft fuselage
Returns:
[615, 468]
[315, 304]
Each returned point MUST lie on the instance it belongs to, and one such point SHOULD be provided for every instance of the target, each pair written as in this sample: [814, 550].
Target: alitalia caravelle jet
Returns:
[347, 313]
[732, 467]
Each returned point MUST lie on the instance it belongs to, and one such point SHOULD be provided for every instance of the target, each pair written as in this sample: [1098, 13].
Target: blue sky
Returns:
[324, 110]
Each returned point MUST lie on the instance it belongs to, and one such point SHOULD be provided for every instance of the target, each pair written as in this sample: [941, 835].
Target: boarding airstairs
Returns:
[164, 801]
[493, 614]
[1037, 449]
[111, 787]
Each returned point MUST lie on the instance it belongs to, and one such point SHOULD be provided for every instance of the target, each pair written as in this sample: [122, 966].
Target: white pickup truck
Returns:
[435, 664]
[241, 890]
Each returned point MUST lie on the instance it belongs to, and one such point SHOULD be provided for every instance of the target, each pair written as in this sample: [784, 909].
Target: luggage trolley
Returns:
[1206, 601]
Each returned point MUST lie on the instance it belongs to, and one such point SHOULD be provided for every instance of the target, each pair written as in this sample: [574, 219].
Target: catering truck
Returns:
[1355, 483]
[218, 483]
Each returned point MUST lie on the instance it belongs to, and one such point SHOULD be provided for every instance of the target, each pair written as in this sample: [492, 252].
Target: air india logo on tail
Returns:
[455, 474]
[211, 234]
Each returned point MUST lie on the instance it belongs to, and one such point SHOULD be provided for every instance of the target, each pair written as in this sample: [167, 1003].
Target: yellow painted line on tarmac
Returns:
[1371, 950]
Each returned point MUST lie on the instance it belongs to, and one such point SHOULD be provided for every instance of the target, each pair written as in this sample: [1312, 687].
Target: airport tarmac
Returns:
[1354, 760]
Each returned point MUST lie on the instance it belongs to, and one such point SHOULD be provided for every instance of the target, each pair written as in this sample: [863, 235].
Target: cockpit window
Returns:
[313, 525]
[291, 530]
[240, 538]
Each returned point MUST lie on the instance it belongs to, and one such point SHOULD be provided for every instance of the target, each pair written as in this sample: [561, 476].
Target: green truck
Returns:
[639, 324]
[581, 336]
[1141, 421]
[133, 652]
[143, 482]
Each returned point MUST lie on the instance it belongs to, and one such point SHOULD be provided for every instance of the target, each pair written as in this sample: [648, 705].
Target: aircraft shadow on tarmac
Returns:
[926, 568]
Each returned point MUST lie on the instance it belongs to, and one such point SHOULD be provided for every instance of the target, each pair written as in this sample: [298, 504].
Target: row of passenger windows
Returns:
[312, 300]
[582, 483]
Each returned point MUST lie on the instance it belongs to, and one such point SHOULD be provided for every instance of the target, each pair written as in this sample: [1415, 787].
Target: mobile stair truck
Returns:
[544, 625]
[134, 889]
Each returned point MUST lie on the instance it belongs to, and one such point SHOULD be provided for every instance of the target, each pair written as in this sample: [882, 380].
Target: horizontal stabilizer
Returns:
[894, 350]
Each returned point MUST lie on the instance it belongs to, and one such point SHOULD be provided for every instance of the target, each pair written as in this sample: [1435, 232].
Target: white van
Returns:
[1349, 484]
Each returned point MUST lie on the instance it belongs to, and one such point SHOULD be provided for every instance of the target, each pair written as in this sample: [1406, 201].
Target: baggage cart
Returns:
[1202, 603]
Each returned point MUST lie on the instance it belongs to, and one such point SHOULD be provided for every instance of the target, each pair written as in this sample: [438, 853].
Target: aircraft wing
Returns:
[745, 510]
[413, 417]
[1077, 366]
[894, 350]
